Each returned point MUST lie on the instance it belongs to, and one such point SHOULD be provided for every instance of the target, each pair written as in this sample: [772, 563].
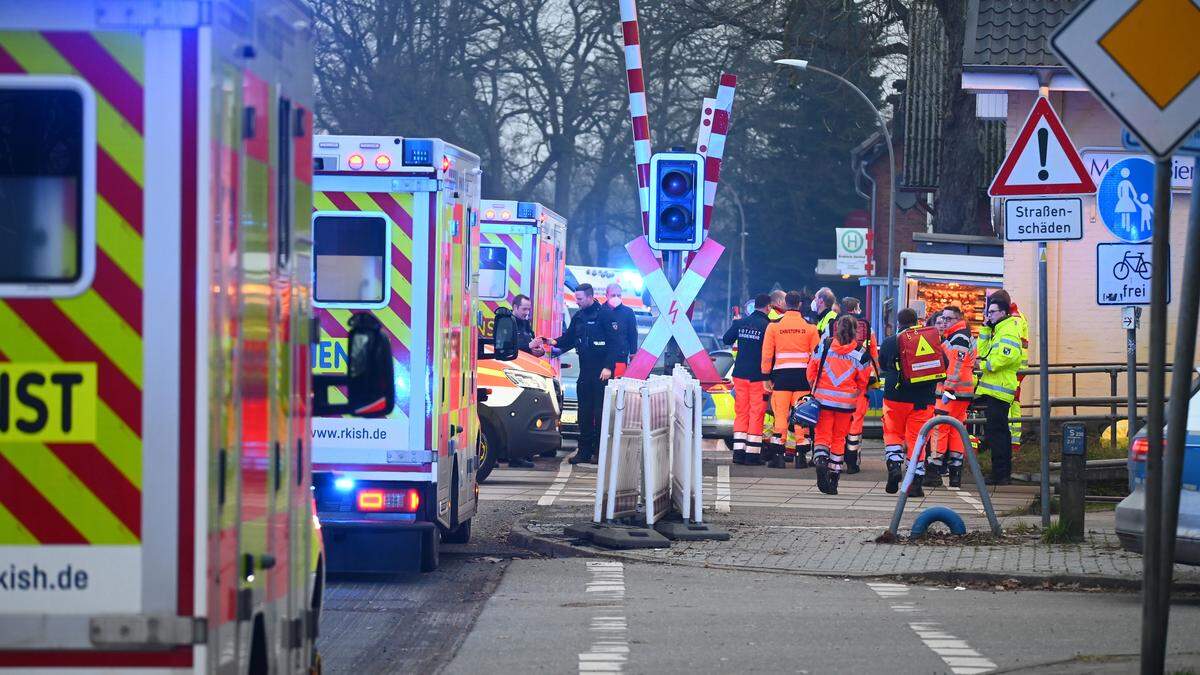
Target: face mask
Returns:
[813, 305]
[614, 301]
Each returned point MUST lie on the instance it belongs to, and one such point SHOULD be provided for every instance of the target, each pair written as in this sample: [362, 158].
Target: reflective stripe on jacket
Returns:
[846, 375]
[960, 361]
[1000, 355]
[788, 344]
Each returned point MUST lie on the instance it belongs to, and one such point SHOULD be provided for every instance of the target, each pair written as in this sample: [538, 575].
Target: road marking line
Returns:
[723, 488]
[956, 653]
[610, 648]
[968, 498]
[559, 484]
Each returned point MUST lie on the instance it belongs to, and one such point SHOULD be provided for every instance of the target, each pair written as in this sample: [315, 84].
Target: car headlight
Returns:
[527, 380]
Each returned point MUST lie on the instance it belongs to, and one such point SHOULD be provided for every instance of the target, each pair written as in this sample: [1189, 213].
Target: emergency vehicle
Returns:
[394, 228]
[522, 250]
[155, 510]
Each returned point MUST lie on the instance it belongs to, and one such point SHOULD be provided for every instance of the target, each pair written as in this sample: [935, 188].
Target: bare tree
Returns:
[961, 159]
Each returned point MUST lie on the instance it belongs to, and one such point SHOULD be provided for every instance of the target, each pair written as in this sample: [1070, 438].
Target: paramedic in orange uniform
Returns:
[906, 407]
[958, 389]
[787, 347]
[867, 343]
[749, 405]
[840, 373]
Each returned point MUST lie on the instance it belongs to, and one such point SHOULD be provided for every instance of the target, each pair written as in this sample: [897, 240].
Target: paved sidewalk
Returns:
[850, 550]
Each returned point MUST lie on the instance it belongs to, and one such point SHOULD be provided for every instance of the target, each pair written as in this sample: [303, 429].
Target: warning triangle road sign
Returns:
[923, 347]
[1042, 161]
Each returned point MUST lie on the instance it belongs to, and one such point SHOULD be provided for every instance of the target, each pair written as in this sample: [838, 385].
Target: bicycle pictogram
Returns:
[1132, 262]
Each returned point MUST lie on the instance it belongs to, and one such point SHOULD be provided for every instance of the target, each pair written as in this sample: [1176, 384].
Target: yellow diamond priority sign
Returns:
[1139, 57]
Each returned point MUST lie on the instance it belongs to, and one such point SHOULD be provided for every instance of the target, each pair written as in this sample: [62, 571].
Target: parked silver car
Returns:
[1131, 512]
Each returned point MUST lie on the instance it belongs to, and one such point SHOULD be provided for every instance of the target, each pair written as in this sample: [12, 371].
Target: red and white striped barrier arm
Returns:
[637, 105]
[722, 112]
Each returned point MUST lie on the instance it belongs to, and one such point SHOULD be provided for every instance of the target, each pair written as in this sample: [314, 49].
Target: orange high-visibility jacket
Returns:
[846, 375]
[959, 351]
[788, 346]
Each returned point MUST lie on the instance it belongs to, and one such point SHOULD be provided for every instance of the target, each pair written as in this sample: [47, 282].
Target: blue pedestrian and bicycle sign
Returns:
[1125, 199]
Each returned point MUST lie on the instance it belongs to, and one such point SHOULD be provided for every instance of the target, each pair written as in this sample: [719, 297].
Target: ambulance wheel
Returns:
[429, 550]
[461, 533]
[488, 448]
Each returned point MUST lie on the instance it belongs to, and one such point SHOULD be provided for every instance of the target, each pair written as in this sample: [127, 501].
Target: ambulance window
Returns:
[42, 198]
[351, 257]
[493, 272]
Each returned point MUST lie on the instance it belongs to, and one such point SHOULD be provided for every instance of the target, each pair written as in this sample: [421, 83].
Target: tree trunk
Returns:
[957, 202]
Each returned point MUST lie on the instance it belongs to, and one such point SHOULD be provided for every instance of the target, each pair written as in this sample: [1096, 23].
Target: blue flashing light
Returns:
[417, 152]
[344, 484]
[526, 210]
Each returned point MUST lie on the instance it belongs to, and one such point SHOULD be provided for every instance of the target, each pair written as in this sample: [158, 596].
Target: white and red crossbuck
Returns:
[673, 304]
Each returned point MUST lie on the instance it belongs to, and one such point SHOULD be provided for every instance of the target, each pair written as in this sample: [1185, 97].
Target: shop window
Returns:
[47, 186]
[493, 272]
[351, 259]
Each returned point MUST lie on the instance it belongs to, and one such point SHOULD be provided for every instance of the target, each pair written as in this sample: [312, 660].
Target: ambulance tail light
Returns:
[383, 162]
[355, 161]
[379, 500]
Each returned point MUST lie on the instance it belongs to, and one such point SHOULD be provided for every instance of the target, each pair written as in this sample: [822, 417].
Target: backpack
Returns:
[921, 355]
[864, 334]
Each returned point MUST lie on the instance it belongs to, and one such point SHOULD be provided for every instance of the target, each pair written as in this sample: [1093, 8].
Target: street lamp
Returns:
[801, 64]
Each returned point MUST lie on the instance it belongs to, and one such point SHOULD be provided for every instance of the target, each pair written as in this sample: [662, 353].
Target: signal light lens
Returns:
[383, 162]
[674, 217]
[505, 215]
[394, 501]
[445, 163]
[676, 183]
[344, 484]
[490, 213]
[355, 161]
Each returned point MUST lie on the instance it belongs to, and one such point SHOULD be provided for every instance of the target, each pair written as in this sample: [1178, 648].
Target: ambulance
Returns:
[395, 231]
[522, 251]
[155, 509]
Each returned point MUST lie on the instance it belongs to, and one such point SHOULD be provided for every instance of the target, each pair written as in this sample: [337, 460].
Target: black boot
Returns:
[894, 476]
[833, 481]
[915, 489]
[753, 459]
[789, 457]
[518, 463]
[955, 476]
[852, 462]
[822, 464]
[802, 459]
[582, 457]
[932, 478]
[739, 456]
[776, 461]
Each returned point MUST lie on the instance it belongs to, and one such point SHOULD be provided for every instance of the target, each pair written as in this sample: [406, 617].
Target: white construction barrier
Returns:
[687, 492]
[649, 455]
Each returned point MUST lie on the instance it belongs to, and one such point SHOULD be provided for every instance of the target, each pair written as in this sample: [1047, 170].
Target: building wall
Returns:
[907, 221]
[1080, 330]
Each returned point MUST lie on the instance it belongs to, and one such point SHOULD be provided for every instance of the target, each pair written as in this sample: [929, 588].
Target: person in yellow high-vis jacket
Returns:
[999, 356]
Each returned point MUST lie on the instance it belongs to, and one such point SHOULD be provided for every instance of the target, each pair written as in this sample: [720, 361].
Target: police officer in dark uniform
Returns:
[592, 335]
[625, 323]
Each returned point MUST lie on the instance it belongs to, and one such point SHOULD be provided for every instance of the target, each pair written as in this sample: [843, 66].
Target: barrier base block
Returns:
[680, 531]
[618, 537]
[584, 531]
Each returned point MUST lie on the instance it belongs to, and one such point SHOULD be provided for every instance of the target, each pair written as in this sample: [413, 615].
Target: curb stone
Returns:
[521, 536]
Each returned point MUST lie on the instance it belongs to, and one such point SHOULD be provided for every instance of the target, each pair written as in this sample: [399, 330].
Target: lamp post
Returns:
[801, 64]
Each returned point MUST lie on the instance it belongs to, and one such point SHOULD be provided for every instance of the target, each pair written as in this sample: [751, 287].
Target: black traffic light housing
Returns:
[676, 201]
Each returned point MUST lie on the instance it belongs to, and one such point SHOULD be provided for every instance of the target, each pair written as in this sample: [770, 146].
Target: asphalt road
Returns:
[498, 609]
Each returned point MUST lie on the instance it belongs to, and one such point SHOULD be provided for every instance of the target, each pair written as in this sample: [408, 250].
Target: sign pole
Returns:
[1131, 371]
[1185, 348]
[672, 262]
[1044, 381]
[1154, 625]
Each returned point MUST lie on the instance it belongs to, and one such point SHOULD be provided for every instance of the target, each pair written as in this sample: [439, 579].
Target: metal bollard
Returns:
[1072, 480]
